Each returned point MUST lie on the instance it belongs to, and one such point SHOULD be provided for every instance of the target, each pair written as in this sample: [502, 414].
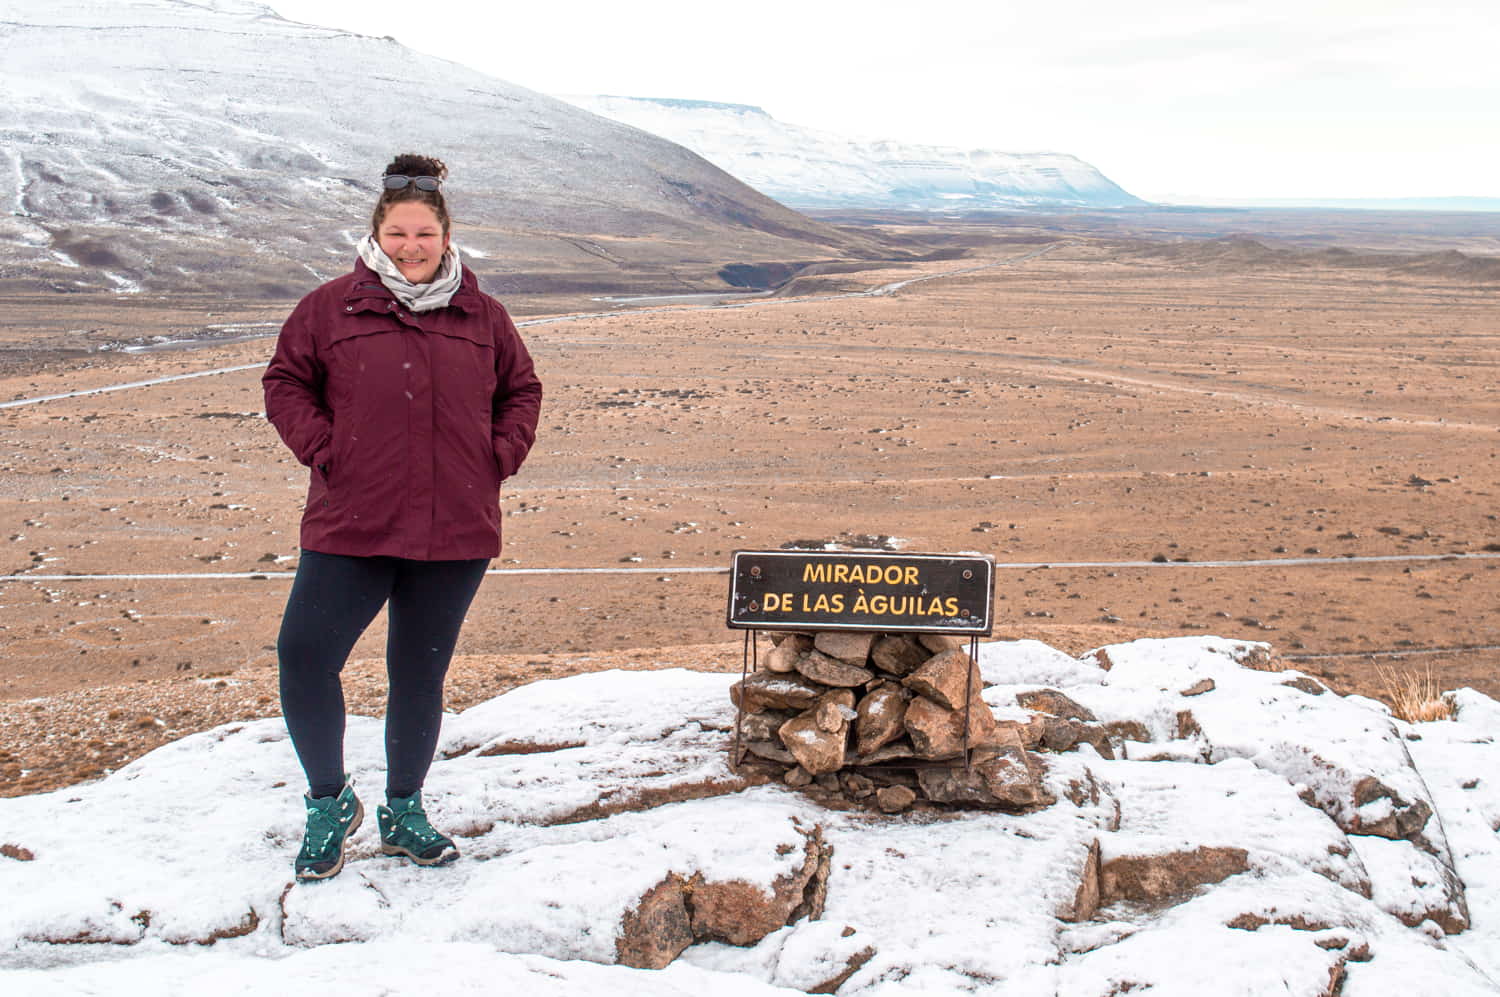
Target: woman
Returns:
[410, 396]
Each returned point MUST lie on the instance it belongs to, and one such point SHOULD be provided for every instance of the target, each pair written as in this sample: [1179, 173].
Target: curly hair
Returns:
[412, 165]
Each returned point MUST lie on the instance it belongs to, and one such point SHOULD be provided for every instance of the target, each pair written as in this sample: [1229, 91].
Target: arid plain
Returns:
[1122, 423]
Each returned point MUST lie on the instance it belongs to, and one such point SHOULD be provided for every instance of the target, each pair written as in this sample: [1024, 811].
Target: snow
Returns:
[802, 167]
[172, 875]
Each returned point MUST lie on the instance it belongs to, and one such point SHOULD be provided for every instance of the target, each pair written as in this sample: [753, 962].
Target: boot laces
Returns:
[414, 822]
[325, 824]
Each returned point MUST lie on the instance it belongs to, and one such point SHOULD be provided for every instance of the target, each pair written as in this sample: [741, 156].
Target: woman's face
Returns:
[411, 235]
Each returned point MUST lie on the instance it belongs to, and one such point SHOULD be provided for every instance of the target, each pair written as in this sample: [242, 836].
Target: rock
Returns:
[783, 657]
[1198, 688]
[833, 718]
[850, 646]
[1168, 876]
[741, 913]
[1085, 900]
[898, 749]
[657, 930]
[819, 667]
[1065, 735]
[798, 777]
[881, 718]
[771, 751]
[898, 654]
[738, 912]
[763, 726]
[857, 786]
[1187, 725]
[950, 679]
[1380, 811]
[851, 966]
[938, 733]
[1007, 777]
[1297, 922]
[770, 691]
[819, 737]
[1101, 658]
[1053, 702]
[1414, 885]
[780, 636]
[1257, 656]
[938, 643]
[894, 799]
[1310, 686]
[1128, 730]
[1030, 732]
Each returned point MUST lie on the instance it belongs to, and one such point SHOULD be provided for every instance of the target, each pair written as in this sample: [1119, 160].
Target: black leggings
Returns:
[333, 600]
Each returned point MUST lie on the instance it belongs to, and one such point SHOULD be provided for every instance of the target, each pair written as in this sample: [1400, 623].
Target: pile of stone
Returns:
[880, 719]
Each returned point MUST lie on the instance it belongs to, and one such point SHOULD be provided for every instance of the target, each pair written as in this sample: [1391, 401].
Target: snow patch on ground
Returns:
[173, 874]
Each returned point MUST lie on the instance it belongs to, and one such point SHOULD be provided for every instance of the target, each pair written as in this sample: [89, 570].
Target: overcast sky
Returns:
[1185, 100]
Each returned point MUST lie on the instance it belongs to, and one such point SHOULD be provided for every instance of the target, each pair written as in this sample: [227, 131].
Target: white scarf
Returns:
[417, 297]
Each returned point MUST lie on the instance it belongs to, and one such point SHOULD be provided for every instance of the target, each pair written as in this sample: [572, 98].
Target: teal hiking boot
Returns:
[404, 831]
[330, 822]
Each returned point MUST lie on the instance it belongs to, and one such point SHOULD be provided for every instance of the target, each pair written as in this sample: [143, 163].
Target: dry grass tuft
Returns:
[1414, 695]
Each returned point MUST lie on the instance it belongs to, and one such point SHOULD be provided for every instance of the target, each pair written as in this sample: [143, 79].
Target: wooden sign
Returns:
[817, 590]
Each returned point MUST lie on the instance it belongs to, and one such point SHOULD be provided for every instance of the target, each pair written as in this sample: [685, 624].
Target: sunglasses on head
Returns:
[396, 181]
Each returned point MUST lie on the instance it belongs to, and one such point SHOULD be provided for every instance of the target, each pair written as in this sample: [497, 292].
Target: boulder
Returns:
[938, 733]
[770, 691]
[1412, 884]
[1085, 901]
[894, 799]
[851, 646]
[657, 930]
[1030, 732]
[771, 751]
[764, 725]
[950, 679]
[818, 738]
[783, 657]
[1007, 777]
[881, 718]
[900, 748]
[938, 643]
[1065, 735]
[1055, 703]
[1128, 730]
[898, 654]
[742, 913]
[857, 786]
[819, 667]
[1381, 811]
[1166, 877]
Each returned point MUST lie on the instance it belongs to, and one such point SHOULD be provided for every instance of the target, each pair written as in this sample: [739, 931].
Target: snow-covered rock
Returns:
[580, 801]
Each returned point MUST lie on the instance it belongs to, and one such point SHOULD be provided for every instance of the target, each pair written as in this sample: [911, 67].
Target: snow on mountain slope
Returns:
[806, 168]
[164, 144]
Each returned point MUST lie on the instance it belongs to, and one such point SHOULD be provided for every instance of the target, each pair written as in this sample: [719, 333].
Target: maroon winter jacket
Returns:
[409, 420]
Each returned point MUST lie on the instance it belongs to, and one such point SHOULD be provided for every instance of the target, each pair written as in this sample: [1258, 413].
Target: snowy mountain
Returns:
[804, 168]
[213, 145]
